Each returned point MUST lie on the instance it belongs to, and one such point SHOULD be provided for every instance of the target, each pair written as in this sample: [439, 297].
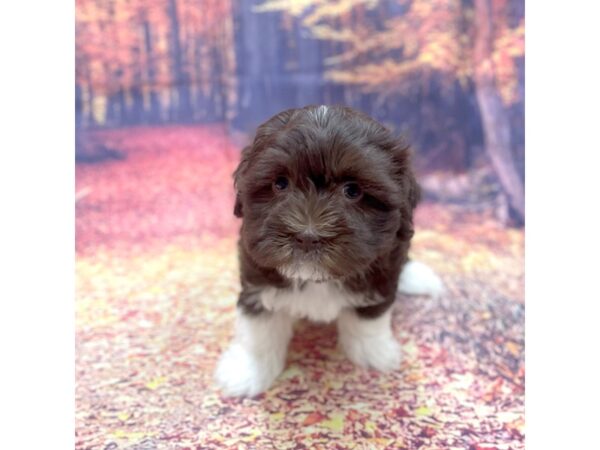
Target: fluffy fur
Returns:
[326, 196]
[256, 356]
[369, 343]
[419, 279]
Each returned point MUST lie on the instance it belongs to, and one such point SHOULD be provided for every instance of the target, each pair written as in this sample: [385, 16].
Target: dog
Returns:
[326, 196]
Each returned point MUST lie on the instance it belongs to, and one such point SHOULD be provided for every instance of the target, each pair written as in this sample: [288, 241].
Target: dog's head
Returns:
[323, 192]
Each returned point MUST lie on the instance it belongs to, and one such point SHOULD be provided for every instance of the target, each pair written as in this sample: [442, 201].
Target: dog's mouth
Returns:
[305, 269]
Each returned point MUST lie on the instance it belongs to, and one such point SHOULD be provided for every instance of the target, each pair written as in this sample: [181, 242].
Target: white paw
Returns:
[242, 374]
[420, 279]
[377, 352]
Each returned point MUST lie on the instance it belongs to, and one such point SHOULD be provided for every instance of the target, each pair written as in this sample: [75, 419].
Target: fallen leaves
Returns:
[156, 286]
[334, 423]
[155, 383]
[312, 418]
[422, 411]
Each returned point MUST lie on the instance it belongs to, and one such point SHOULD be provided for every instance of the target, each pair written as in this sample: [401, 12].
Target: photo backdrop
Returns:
[446, 73]
[167, 94]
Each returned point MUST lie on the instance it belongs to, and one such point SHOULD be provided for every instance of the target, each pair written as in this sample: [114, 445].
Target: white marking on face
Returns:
[304, 271]
[320, 113]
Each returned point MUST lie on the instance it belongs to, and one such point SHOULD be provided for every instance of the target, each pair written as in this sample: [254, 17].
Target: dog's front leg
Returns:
[369, 342]
[256, 355]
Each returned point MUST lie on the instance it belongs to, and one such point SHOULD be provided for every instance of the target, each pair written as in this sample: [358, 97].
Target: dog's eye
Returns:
[281, 183]
[352, 191]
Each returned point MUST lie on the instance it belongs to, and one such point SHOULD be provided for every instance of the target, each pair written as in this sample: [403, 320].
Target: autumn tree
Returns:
[152, 61]
[479, 43]
[278, 64]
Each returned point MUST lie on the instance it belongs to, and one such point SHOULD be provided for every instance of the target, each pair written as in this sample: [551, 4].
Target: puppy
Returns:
[326, 196]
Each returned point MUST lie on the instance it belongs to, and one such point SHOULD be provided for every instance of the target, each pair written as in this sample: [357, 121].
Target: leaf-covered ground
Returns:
[156, 291]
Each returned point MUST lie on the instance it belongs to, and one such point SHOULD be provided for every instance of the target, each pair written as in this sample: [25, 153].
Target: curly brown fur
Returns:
[363, 243]
[326, 196]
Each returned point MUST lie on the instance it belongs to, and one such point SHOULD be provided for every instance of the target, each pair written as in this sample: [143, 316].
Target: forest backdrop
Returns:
[448, 73]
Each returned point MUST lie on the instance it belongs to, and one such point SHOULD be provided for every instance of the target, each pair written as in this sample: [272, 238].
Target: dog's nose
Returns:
[307, 241]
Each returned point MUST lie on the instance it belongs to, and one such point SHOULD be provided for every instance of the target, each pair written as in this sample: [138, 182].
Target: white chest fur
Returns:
[319, 302]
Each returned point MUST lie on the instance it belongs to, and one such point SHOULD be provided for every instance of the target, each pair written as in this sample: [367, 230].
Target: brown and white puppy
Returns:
[326, 195]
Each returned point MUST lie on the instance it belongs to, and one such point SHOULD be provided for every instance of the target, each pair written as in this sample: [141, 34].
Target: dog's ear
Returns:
[263, 135]
[413, 190]
[412, 193]
[238, 210]
[409, 188]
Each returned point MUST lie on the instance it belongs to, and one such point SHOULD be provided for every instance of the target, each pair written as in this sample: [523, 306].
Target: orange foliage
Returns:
[157, 280]
[431, 35]
[125, 44]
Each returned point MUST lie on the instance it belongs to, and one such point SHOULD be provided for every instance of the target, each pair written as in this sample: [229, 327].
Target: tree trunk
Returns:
[494, 118]
[78, 105]
[137, 110]
[90, 98]
[219, 87]
[250, 71]
[201, 99]
[122, 102]
[309, 71]
[154, 113]
[262, 89]
[181, 81]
